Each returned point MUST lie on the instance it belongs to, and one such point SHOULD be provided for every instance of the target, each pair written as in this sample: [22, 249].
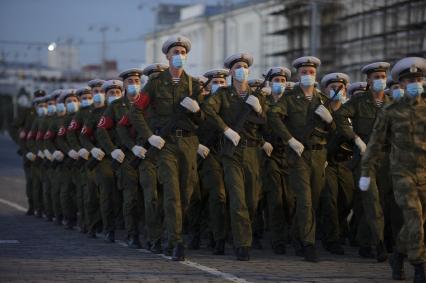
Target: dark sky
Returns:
[56, 20]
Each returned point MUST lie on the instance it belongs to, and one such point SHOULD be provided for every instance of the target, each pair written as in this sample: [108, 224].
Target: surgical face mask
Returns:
[41, 111]
[72, 107]
[51, 109]
[99, 98]
[60, 108]
[178, 61]
[241, 74]
[112, 98]
[133, 90]
[86, 103]
[307, 80]
[397, 93]
[277, 88]
[215, 87]
[379, 85]
[414, 89]
[336, 97]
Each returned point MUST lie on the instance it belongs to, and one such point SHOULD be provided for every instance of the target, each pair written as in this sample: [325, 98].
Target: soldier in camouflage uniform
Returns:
[35, 155]
[403, 124]
[241, 159]
[301, 120]
[362, 110]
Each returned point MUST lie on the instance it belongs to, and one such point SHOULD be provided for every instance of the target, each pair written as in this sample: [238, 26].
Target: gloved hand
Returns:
[30, 156]
[40, 154]
[268, 148]
[48, 155]
[296, 146]
[97, 153]
[73, 154]
[83, 153]
[253, 101]
[324, 114]
[361, 145]
[156, 141]
[203, 150]
[190, 104]
[139, 151]
[58, 155]
[364, 183]
[233, 136]
[118, 155]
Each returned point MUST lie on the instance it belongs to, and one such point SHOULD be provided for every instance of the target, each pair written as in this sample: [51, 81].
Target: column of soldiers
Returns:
[226, 159]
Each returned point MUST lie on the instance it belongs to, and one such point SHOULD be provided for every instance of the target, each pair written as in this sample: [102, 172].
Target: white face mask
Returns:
[307, 80]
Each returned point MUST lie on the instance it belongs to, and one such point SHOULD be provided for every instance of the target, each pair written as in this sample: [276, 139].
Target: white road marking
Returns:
[210, 270]
[13, 205]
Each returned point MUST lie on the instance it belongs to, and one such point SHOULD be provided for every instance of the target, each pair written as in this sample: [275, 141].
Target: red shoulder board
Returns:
[49, 135]
[86, 131]
[74, 126]
[142, 101]
[105, 122]
[124, 121]
[22, 135]
[39, 136]
[61, 131]
[30, 135]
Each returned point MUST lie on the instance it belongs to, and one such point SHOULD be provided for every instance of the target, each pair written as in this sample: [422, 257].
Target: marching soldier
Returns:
[301, 120]
[338, 177]
[34, 154]
[280, 200]
[403, 124]
[239, 113]
[356, 88]
[174, 116]
[362, 110]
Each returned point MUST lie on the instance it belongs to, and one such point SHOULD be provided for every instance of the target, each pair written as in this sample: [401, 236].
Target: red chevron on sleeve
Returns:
[105, 123]
[86, 131]
[40, 135]
[142, 101]
[124, 121]
[22, 135]
[74, 126]
[61, 131]
[49, 135]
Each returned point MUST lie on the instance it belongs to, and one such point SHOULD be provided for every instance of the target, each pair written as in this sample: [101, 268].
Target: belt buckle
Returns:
[179, 133]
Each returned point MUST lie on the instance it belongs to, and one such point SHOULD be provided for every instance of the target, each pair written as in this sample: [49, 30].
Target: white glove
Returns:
[73, 154]
[296, 146]
[156, 141]
[83, 153]
[139, 151]
[40, 154]
[253, 101]
[30, 156]
[233, 136]
[203, 150]
[58, 155]
[364, 183]
[268, 148]
[48, 155]
[97, 153]
[190, 104]
[324, 114]
[118, 155]
[361, 145]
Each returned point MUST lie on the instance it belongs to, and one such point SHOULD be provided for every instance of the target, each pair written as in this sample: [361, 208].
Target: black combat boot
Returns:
[178, 252]
[242, 253]
[396, 262]
[419, 273]
[219, 248]
[335, 248]
[110, 237]
[134, 242]
[310, 253]
[156, 247]
[381, 254]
